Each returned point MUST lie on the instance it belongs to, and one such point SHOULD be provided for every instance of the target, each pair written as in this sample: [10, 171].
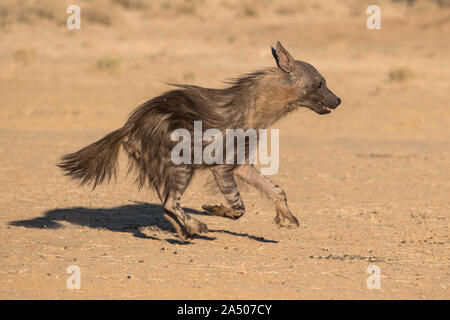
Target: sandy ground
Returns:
[369, 183]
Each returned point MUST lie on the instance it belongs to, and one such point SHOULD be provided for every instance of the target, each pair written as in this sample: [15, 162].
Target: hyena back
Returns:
[256, 100]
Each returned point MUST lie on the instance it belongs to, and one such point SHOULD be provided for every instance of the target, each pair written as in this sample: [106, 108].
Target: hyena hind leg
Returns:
[251, 175]
[224, 178]
[185, 226]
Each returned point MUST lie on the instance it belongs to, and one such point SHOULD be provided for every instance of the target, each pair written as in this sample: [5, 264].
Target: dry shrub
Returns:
[249, 11]
[133, 4]
[109, 63]
[440, 3]
[24, 56]
[97, 15]
[186, 8]
[189, 76]
[400, 74]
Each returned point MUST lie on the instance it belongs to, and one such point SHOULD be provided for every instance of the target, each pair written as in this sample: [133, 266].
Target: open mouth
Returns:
[325, 109]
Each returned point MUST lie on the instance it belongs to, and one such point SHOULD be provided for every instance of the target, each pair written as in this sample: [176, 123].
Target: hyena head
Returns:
[306, 87]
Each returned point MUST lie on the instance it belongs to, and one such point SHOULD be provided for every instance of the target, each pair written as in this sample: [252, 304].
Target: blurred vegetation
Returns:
[23, 11]
[133, 4]
[440, 3]
[108, 12]
[24, 56]
[94, 15]
[400, 74]
[189, 76]
[109, 63]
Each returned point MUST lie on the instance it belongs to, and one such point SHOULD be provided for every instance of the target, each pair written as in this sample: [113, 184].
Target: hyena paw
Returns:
[223, 211]
[289, 221]
[178, 227]
[193, 227]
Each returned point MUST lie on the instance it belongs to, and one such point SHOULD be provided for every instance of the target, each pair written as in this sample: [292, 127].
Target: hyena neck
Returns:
[256, 100]
[267, 100]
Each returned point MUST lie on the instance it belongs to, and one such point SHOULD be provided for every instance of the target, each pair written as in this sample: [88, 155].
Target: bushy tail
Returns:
[96, 162]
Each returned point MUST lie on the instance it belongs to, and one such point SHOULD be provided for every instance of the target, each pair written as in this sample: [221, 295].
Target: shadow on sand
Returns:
[127, 218]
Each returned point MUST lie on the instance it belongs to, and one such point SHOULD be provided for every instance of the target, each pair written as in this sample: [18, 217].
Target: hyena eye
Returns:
[319, 85]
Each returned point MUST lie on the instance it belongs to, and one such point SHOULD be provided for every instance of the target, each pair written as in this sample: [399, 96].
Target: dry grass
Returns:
[105, 12]
[30, 11]
[186, 8]
[98, 16]
[189, 76]
[400, 74]
[24, 56]
[249, 11]
[133, 4]
[440, 3]
[109, 62]
[178, 8]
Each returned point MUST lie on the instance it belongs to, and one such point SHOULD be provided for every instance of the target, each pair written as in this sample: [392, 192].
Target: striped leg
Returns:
[251, 175]
[224, 177]
[185, 226]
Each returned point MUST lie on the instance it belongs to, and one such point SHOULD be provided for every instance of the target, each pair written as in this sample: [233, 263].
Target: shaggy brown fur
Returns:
[255, 101]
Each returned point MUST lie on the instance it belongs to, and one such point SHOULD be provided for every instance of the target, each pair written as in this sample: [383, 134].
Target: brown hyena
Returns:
[255, 101]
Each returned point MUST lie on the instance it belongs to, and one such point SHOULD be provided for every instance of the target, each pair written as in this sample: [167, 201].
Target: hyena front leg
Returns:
[224, 177]
[251, 175]
[185, 226]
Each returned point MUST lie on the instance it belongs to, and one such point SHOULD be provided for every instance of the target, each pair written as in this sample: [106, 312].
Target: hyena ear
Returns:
[283, 58]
